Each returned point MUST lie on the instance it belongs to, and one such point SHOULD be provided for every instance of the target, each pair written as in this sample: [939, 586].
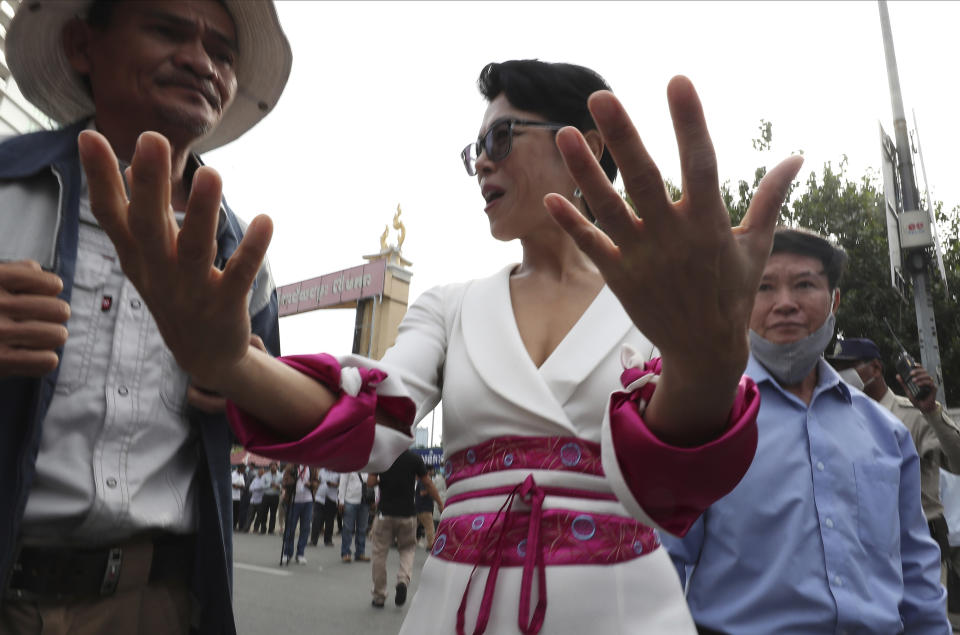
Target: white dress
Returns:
[460, 343]
[546, 467]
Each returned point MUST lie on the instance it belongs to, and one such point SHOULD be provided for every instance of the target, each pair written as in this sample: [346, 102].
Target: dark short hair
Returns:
[555, 91]
[100, 13]
[807, 243]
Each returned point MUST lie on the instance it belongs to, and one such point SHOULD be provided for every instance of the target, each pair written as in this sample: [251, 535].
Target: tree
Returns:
[851, 212]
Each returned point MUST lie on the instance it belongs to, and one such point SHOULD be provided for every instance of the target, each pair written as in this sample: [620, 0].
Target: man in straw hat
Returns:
[115, 510]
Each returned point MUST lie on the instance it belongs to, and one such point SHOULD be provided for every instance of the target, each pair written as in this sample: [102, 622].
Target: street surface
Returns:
[325, 596]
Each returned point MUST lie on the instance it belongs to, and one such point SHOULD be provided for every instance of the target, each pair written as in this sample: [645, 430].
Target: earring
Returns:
[577, 193]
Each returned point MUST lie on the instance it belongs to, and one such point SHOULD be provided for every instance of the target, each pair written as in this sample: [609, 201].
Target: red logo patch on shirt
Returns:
[106, 303]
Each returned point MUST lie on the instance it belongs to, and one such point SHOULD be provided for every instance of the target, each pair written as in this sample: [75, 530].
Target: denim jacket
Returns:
[45, 163]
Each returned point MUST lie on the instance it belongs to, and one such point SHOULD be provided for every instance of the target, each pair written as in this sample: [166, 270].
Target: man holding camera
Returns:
[300, 483]
[354, 501]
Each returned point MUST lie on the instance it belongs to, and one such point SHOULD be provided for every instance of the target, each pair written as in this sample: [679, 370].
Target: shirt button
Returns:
[837, 580]
[111, 482]
[829, 523]
[135, 304]
[820, 465]
[123, 391]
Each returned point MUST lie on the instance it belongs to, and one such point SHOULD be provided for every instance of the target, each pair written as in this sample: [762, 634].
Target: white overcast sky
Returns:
[382, 98]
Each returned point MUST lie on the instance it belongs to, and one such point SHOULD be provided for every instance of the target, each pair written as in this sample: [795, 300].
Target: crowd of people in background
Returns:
[397, 508]
[327, 504]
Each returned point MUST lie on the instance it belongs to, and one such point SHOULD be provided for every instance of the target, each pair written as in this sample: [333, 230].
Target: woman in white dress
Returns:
[567, 442]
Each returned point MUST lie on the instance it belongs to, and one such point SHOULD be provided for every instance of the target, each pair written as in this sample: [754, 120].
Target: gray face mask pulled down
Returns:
[789, 363]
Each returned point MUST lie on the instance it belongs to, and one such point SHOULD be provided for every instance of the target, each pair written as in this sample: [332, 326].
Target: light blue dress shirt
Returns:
[825, 533]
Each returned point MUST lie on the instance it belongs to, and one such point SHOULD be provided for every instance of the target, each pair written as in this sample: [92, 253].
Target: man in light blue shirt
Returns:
[825, 533]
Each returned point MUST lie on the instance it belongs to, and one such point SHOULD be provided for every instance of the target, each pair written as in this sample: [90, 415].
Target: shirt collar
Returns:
[193, 163]
[827, 378]
[888, 399]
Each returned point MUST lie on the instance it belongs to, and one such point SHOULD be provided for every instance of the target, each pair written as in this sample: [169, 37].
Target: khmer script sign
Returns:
[340, 287]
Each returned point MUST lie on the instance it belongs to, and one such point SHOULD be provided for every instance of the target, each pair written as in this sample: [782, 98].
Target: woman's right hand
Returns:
[684, 276]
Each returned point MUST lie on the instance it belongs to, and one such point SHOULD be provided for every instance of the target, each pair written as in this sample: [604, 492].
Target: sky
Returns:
[382, 97]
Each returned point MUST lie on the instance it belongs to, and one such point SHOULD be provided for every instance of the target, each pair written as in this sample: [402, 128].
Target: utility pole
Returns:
[915, 235]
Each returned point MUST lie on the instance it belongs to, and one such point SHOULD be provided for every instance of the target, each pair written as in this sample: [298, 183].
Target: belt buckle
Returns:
[112, 574]
[13, 593]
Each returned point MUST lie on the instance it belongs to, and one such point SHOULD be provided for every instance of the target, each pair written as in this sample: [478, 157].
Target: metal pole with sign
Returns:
[909, 225]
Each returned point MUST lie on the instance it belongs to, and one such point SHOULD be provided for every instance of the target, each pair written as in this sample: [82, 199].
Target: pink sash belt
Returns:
[535, 538]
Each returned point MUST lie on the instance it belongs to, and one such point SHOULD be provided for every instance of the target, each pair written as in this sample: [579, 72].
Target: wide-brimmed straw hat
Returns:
[36, 59]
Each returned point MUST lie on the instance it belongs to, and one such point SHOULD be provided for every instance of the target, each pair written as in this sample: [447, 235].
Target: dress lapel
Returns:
[497, 352]
[600, 329]
[494, 346]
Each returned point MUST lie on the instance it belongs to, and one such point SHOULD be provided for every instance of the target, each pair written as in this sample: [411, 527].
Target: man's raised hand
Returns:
[200, 311]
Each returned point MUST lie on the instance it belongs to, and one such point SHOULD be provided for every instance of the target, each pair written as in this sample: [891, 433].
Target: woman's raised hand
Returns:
[686, 278]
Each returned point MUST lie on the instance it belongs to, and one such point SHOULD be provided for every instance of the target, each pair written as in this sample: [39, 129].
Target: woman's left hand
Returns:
[685, 277]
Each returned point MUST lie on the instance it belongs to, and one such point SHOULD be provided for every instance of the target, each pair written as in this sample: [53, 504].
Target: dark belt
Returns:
[63, 573]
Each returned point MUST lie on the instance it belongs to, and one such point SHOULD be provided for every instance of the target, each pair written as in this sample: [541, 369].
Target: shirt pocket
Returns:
[173, 382]
[878, 498]
[84, 324]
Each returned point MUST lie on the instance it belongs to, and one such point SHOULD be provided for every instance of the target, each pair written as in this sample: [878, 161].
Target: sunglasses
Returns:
[498, 141]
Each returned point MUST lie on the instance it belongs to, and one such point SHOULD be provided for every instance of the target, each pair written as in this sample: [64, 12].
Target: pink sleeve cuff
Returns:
[674, 485]
[343, 440]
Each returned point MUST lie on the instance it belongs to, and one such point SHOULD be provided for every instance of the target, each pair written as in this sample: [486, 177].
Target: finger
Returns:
[27, 277]
[32, 334]
[108, 198]
[21, 307]
[196, 241]
[151, 218]
[210, 403]
[597, 245]
[243, 265]
[640, 175]
[698, 161]
[26, 363]
[29, 265]
[758, 224]
[606, 204]
[922, 379]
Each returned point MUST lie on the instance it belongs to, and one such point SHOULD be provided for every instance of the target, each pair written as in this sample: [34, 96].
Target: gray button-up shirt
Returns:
[117, 454]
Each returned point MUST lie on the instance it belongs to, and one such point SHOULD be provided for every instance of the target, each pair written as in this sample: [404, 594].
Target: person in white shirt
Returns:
[238, 485]
[258, 512]
[356, 514]
[300, 482]
[271, 495]
[325, 507]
